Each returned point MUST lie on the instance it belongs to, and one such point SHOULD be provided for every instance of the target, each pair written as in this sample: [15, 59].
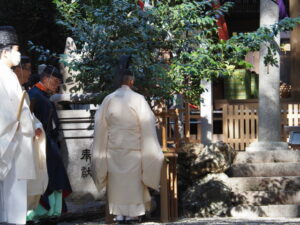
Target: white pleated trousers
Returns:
[13, 199]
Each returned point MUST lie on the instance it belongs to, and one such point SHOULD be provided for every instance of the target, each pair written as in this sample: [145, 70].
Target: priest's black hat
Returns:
[123, 69]
[8, 36]
[52, 71]
[124, 62]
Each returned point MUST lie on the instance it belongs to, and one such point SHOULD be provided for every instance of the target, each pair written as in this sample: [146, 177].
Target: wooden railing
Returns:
[239, 125]
[293, 115]
[171, 139]
[240, 122]
[169, 120]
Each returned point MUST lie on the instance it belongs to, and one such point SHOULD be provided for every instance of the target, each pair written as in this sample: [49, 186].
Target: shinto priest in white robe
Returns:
[17, 163]
[127, 157]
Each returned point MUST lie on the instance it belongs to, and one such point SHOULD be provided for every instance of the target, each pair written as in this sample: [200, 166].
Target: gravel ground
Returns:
[93, 213]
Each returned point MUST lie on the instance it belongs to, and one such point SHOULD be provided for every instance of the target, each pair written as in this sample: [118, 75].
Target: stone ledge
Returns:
[287, 211]
[276, 197]
[242, 184]
[263, 146]
[264, 170]
[268, 156]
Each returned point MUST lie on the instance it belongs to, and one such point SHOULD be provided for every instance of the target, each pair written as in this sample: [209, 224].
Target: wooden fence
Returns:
[169, 124]
[169, 120]
[240, 122]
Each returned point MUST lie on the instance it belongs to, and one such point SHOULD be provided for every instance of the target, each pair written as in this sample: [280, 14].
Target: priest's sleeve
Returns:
[99, 149]
[26, 119]
[152, 156]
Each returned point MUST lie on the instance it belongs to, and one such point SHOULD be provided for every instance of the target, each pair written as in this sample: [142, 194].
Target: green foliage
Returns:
[194, 43]
[264, 36]
[103, 34]
[108, 32]
[184, 29]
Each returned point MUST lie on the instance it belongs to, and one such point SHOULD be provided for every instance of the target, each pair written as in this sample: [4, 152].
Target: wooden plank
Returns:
[242, 132]
[296, 120]
[171, 189]
[174, 204]
[225, 123]
[290, 115]
[293, 114]
[164, 133]
[230, 121]
[164, 208]
[175, 196]
[235, 118]
[298, 114]
[253, 124]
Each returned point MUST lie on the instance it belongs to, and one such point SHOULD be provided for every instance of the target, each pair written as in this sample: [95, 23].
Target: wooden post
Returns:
[164, 132]
[164, 206]
[168, 189]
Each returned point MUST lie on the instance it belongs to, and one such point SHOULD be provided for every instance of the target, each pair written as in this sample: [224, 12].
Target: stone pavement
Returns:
[93, 213]
[216, 221]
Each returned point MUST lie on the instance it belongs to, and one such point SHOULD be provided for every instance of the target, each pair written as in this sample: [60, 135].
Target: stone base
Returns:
[283, 211]
[267, 146]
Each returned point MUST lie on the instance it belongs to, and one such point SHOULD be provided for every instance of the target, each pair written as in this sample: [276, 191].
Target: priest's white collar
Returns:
[126, 87]
[3, 65]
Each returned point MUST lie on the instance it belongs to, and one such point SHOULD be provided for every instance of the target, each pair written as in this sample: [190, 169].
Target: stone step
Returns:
[268, 156]
[275, 197]
[242, 184]
[264, 169]
[287, 211]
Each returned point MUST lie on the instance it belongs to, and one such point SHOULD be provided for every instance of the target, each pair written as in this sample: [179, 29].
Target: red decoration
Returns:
[222, 30]
[193, 106]
[141, 4]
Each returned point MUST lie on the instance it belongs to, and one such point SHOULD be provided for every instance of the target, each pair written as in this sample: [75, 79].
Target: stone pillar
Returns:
[206, 113]
[295, 50]
[70, 55]
[269, 110]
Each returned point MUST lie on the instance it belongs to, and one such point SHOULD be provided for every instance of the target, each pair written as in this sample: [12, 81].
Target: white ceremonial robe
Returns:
[16, 149]
[127, 157]
[37, 187]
